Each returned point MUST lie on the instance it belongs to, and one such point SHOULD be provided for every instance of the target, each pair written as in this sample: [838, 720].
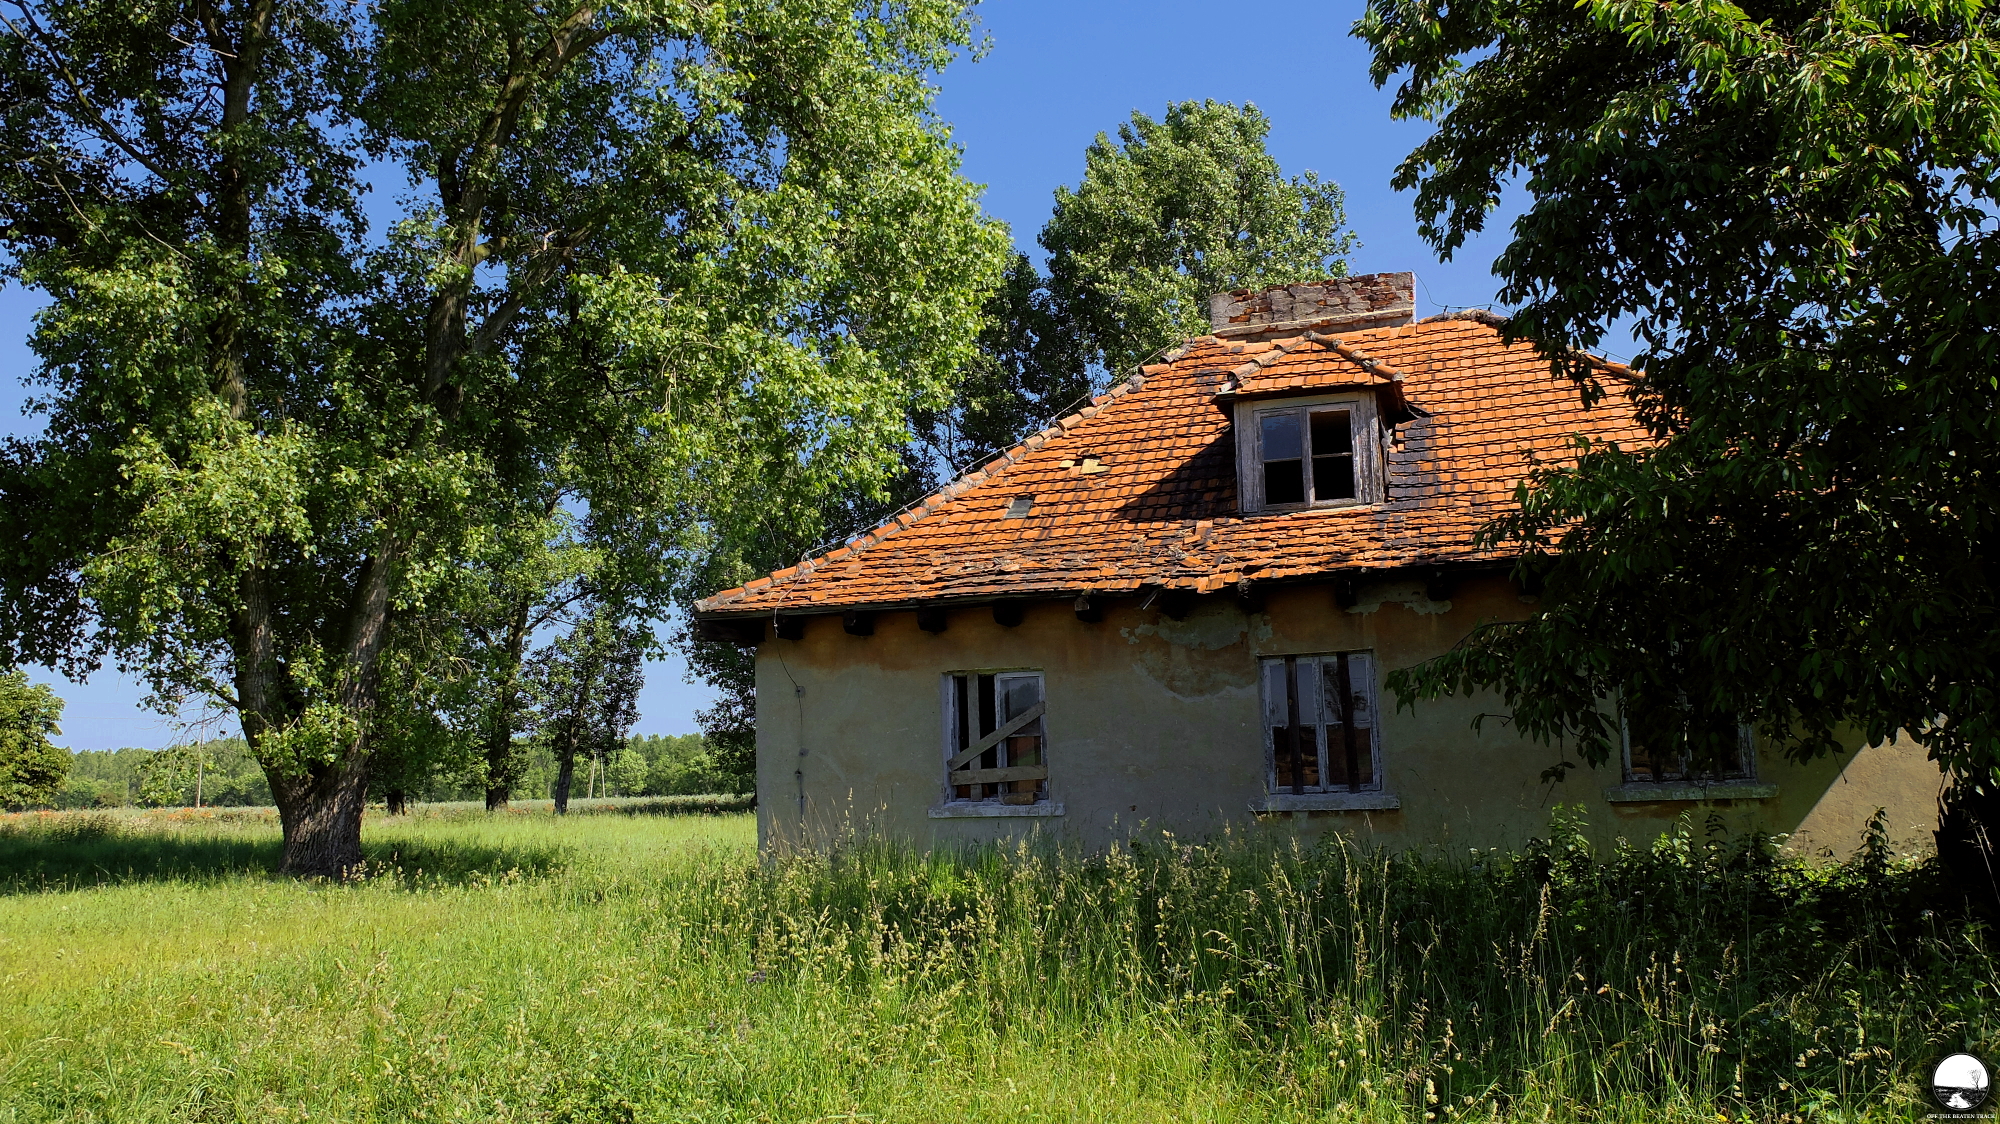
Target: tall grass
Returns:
[652, 968]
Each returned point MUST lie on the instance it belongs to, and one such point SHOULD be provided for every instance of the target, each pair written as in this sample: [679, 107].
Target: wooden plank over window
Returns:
[995, 738]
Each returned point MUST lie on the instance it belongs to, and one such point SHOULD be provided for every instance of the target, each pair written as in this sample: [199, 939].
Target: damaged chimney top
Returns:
[1341, 304]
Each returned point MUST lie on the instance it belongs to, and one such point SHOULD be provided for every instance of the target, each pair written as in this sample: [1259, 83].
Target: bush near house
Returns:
[636, 967]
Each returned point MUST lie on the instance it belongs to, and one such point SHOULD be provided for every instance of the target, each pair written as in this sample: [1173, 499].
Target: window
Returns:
[1319, 724]
[1662, 755]
[1318, 452]
[994, 739]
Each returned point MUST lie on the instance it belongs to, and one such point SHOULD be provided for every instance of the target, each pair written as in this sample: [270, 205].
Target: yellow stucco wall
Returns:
[1154, 722]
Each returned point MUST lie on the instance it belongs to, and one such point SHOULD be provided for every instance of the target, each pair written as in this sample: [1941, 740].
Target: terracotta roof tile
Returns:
[1161, 510]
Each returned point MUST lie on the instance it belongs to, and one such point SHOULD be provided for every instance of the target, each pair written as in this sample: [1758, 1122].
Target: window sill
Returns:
[1327, 802]
[981, 810]
[1295, 508]
[1654, 792]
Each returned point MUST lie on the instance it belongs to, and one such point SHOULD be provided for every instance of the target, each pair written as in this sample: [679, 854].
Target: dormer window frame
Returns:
[1365, 428]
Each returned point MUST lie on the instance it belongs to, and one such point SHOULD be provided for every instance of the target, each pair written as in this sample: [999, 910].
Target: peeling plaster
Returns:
[1167, 647]
[1212, 627]
[1410, 595]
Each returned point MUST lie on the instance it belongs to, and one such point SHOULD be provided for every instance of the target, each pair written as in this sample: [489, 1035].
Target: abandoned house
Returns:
[1175, 609]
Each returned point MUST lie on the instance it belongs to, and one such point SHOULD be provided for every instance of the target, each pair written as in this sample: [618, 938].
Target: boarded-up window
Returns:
[1320, 733]
[995, 740]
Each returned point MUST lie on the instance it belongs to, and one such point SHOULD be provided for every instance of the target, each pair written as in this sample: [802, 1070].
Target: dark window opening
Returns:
[1284, 459]
[1332, 456]
[1666, 755]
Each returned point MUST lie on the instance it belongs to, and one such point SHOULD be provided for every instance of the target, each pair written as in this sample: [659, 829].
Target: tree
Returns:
[32, 768]
[1170, 213]
[586, 689]
[1173, 212]
[682, 258]
[536, 574]
[1794, 205]
[1031, 363]
[626, 772]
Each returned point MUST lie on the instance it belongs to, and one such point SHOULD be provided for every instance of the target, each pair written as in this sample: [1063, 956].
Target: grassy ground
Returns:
[645, 966]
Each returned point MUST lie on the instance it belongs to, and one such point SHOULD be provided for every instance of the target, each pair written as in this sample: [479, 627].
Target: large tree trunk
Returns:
[501, 763]
[565, 772]
[320, 808]
[500, 759]
[321, 816]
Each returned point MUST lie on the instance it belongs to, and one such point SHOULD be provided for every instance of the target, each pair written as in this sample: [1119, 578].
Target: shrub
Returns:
[1702, 968]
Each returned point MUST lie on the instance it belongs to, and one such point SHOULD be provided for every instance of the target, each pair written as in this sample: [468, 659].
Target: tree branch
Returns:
[89, 110]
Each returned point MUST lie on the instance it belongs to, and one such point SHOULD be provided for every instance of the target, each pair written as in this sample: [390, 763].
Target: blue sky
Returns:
[1057, 75]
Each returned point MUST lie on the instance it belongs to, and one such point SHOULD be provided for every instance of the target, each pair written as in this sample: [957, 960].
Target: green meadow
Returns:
[637, 962]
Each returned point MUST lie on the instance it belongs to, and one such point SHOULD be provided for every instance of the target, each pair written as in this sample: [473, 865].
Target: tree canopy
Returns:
[32, 767]
[1166, 214]
[1171, 212]
[1794, 204]
[674, 261]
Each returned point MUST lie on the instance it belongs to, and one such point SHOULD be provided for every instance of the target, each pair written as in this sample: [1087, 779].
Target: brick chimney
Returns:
[1342, 304]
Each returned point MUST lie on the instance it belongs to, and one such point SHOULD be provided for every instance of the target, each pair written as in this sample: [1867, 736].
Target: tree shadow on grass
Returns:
[49, 854]
[419, 862]
[714, 804]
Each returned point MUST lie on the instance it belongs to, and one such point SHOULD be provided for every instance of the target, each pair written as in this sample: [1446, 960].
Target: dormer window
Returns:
[1321, 451]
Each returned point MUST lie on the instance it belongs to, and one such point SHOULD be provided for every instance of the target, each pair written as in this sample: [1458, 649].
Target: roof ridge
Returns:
[1354, 355]
[1492, 319]
[958, 486]
[1333, 343]
[1484, 316]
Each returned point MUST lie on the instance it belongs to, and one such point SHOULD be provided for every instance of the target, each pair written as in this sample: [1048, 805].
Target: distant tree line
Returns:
[222, 773]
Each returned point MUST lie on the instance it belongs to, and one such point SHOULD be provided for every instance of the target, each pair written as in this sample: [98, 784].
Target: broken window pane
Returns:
[1332, 456]
[1323, 764]
[1003, 710]
[1284, 459]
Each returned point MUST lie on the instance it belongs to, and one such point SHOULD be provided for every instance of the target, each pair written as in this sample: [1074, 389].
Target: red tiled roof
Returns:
[1161, 510]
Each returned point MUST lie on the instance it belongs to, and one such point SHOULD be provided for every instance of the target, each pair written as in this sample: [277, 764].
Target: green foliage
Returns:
[219, 773]
[32, 768]
[691, 764]
[1794, 206]
[225, 771]
[662, 270]
[585, 687]
[661, 971]
[1174, 211]
[1168, 214]
[626, 772]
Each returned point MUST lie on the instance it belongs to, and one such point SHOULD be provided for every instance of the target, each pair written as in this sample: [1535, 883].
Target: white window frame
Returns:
[991, 795]
[1363, 680]
[1363, 417]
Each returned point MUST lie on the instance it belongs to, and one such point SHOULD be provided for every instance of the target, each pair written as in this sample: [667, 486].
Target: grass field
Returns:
[625, 964]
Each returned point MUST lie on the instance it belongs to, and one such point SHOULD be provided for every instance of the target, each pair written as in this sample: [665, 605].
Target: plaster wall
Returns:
[1154, 723]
